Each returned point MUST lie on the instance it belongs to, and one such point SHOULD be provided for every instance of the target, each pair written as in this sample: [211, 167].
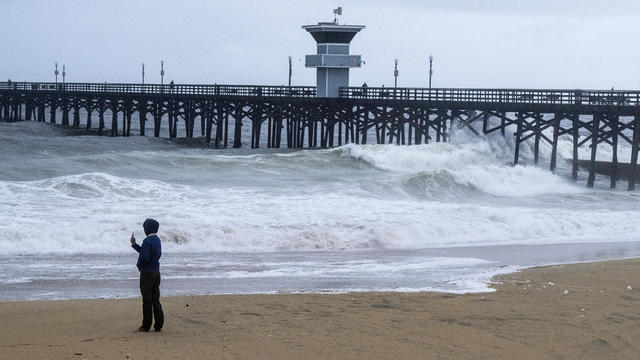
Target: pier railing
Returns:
[178, 89]
[509, 96]
[519, 96]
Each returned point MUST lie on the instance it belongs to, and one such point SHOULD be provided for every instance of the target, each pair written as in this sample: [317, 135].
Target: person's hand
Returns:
[133, 239]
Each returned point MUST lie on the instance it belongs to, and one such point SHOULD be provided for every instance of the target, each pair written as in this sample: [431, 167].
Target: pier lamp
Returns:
[290, 70]
[395, 72]
[56, 72]
[63, 73]
[142, 73]
[430, 69]
[161, 72]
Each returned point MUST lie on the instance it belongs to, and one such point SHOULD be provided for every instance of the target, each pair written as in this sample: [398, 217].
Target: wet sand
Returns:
[579, 311]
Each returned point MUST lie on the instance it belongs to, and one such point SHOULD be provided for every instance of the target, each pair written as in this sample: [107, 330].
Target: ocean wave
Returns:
[355, 197]
[93, 186]
[249, 221]
[459, 170]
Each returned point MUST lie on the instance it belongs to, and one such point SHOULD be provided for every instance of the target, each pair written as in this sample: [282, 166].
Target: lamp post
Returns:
[430, 69]
[56, 72]
[63, 73]
[290, 70]
[395, 73]
[142, 73]
[161, 72]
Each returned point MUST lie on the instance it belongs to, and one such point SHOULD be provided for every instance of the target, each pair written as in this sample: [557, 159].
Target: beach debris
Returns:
[566, 292]
[629, 288]
[582, 310]
[551, 283]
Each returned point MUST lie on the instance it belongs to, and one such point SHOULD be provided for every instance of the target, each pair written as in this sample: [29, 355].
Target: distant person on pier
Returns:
[149, 267]
[364, 88]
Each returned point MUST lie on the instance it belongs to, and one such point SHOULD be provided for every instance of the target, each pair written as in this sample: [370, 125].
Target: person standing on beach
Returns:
[149, 266]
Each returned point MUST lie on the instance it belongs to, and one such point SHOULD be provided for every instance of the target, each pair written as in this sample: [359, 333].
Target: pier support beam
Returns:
[518, 135]
[226, 128]
[114, 121]
[203, 119]
[52, 114]
[278, 127]
[613, 124]
[188, 119]
[89, 110]
[207, 114]
[635, 144]
[237, 133]
[594, 150]
[142, 115]
[219, 122]
[76, 116]
[128, 111]
[65, 112]
[554, 146]
[537, 131]
[157, 118]
[575, 118]
[28, 110]
[101, 110]
[41, 112]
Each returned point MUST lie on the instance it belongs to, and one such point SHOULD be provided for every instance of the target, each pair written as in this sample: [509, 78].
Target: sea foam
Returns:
[354, 197]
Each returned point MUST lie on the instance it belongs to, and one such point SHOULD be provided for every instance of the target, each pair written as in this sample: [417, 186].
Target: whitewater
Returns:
[441, 216]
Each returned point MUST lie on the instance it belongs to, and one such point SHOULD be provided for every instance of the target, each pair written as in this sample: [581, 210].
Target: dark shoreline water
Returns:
[114, 276]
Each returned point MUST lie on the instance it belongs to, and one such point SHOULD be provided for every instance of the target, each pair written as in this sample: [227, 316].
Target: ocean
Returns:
[437, 217]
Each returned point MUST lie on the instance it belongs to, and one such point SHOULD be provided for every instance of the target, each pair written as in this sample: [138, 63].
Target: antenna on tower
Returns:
[336, 13]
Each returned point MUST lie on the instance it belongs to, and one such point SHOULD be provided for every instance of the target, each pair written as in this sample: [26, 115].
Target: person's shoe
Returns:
[142, 328]
[157, 329]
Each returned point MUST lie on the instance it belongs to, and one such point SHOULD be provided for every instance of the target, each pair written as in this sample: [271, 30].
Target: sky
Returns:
[475, 43]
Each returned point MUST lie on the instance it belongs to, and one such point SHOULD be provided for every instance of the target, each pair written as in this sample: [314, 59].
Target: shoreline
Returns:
[445, 278]
[576, 311]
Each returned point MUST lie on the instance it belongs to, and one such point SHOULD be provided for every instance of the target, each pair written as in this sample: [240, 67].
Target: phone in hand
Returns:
[133, 239]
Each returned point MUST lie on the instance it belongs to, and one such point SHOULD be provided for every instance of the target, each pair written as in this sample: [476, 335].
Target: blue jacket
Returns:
[150, 252]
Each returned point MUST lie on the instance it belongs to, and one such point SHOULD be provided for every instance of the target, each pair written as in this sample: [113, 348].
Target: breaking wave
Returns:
[355, 197]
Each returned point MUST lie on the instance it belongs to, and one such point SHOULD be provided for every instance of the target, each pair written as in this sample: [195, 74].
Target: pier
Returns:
[332, 113]
[294, 117]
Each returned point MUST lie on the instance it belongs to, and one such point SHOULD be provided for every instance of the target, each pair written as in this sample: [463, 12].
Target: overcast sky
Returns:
[475, 43]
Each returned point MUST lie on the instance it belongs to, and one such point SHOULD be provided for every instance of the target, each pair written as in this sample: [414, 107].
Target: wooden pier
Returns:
[293, 117]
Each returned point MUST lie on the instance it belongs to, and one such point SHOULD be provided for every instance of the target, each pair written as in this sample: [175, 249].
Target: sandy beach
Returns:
[578, 311]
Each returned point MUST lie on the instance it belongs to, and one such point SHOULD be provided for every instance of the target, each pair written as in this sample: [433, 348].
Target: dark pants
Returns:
[151, 308]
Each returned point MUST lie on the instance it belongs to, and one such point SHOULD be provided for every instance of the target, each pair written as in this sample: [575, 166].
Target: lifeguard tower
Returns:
[332, 60]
